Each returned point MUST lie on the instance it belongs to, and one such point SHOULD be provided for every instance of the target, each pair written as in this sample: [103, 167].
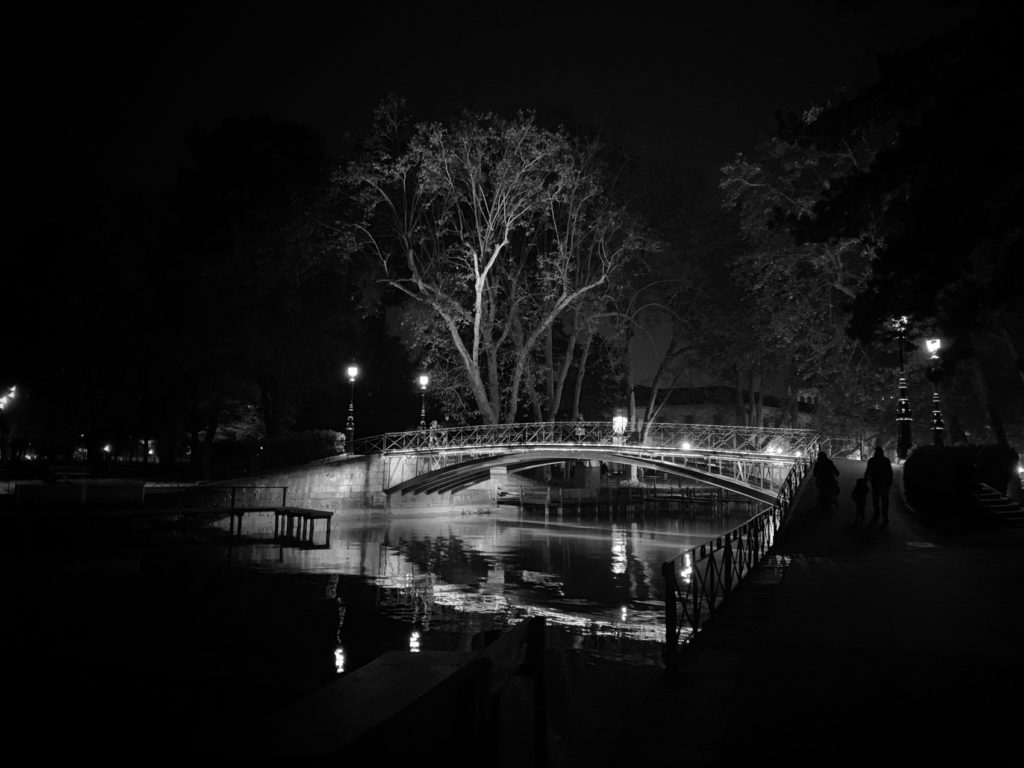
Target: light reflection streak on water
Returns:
[619, 559]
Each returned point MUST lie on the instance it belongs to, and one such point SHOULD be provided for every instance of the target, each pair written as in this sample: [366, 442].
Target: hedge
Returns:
[940, 481]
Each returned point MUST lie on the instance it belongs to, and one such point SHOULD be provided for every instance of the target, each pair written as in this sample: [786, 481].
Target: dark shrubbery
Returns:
[939, 481]
[300, 447]
[236, 458]
[230, 458]
[996, 465]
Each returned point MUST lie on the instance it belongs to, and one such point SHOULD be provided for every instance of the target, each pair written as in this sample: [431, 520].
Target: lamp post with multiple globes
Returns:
[934, 374]
[423, 380]
[903, 416]
[350, 426]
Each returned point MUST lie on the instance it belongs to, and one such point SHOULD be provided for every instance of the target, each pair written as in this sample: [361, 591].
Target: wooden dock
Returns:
[294, 526]
[297, 524]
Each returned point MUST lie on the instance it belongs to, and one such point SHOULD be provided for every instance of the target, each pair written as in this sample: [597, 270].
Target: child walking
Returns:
[859, 494]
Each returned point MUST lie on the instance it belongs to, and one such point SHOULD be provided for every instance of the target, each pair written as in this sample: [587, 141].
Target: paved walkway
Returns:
[873, 643]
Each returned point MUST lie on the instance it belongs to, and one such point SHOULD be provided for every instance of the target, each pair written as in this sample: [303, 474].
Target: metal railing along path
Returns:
[698, 580]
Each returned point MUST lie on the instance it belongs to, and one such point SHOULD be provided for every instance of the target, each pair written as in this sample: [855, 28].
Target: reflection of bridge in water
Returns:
[748, 461]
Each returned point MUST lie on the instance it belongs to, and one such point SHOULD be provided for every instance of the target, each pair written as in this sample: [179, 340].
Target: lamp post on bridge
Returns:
[6, 399]
[423, 380]
[934, 375]
[903, 417]
[350, 426]
[619, 422]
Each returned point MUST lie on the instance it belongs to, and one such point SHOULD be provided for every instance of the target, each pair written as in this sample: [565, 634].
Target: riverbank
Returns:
[858, 642]
[850, 640]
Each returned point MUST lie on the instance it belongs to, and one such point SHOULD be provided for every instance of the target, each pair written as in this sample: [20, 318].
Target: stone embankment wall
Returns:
[345, 482]
[333, 484]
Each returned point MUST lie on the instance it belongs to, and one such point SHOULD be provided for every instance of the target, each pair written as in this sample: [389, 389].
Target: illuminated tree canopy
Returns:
[496, 229]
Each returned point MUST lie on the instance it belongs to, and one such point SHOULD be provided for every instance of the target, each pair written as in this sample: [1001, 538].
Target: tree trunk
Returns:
[269, 406]
[536, 402]
[580, 374]
[629, 376]
[549, 380]
[984, 393]
[563, 373]
[954, 427]
[214, 421]
[195, 449]
[494, 388]
[1011, 346]
[474, 377]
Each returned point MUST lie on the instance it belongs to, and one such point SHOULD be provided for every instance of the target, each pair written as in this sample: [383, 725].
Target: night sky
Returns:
[101, 103]
[117, 93]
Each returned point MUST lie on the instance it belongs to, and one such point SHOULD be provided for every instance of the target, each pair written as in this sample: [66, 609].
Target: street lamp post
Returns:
[350, 427]
[934, 374]
[7, 397]
[423, 380]
[5, 444]
[903, 417]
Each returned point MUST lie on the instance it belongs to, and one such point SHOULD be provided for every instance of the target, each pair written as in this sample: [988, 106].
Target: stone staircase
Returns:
[993, 503]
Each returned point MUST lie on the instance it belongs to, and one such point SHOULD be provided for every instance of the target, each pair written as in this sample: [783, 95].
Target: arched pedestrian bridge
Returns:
[749, 461]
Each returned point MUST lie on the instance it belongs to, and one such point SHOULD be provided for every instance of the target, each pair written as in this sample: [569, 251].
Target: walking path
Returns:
[873, 642]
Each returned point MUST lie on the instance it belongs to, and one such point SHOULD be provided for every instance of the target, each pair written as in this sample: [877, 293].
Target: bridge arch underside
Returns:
[457, 477]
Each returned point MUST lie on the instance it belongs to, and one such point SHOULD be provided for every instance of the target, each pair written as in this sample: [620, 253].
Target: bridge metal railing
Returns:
[847, 447]
[701, 437]
[699, 579]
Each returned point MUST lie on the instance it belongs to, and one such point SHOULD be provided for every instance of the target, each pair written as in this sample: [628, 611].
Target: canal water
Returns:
[193, 621]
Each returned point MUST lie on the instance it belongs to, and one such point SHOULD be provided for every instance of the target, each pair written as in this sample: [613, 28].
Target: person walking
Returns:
[879, 476]
[859, 494]
[825, 474]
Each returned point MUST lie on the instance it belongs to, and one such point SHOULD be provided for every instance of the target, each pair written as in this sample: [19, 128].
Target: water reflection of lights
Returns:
[418, 596]
[414, 642]
[339, 660]
[646, 625]
[549, 581]
[502, 593]
[619, 559]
